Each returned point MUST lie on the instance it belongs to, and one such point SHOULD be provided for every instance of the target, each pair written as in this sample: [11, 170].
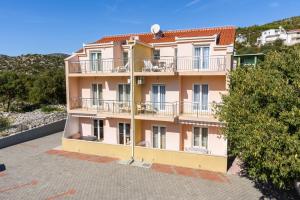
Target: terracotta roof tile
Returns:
[227, 35]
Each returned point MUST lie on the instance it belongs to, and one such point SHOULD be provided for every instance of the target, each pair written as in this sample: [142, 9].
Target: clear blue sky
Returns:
[48, 26]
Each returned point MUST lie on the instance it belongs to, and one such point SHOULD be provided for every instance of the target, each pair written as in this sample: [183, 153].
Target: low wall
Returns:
[178, 158]
[182, 159]
[97, 148]
[34, 133]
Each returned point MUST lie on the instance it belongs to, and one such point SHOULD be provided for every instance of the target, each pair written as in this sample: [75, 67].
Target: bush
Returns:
[4, 122]
[50, 109]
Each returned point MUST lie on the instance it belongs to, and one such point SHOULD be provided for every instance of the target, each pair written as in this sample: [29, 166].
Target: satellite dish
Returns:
[155, 28]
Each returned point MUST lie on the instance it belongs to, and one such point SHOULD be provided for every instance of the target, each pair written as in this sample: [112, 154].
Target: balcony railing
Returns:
[148, 108]
[109, 106]
[211, 63]
[157, 108]
[99, 66]
[183, 64]
[163, 64]
[195, 109]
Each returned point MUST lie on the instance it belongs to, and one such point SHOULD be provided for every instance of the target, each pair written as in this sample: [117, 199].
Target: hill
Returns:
[31, 63]
[253, 32]
[30, 81]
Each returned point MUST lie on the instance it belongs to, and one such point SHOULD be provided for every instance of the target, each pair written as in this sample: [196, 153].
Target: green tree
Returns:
[262, 112]
[12, 88]
[49, 87]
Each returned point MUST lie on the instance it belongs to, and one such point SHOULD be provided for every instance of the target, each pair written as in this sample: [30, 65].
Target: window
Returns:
[96, 94]
[200, 97]
[124, 92]
[125, 58]
[201, 58]
[124, 133]
[156, 54]
[159, 137]
[96, 63]
[200, 137]
[98, 129]
[158, 97]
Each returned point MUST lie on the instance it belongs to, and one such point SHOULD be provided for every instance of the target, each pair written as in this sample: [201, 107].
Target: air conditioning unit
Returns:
[140, 80]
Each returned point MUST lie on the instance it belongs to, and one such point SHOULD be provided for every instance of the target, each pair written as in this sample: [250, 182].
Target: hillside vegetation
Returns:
[30, 81]
[253, 32]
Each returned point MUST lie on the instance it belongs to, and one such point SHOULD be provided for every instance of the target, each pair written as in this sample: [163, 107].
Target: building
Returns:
[271, 35]
[293, 37]
[289, 38]
[241, 38]
[245, 60]
[149, 97]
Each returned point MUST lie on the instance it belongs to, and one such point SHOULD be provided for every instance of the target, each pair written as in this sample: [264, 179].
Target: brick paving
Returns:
[35, 171]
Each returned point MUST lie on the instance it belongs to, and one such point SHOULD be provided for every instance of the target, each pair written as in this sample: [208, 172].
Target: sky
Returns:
[62, 26]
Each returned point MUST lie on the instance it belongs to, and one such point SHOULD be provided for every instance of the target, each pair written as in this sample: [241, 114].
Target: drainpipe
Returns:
[132, 83]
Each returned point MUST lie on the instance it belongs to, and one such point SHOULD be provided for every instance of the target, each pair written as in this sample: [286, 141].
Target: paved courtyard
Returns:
[35, 171]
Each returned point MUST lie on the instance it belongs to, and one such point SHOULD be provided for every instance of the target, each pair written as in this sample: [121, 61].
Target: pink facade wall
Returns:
[110, 128]
[171, 83]
[216, 87]
[109, 86]
[172, 134]
[217, 143]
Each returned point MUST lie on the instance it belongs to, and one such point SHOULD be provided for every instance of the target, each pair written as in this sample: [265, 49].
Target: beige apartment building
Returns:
[150, 97]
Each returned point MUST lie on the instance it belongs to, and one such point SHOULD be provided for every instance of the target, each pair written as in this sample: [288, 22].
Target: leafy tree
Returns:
[262, 112]
[49, 87]
[11, 88]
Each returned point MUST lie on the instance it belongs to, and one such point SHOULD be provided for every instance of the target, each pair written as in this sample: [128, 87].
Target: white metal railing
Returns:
[196, 109]
[183, 64]
[110, 106]
[112, 65]
[157, 108]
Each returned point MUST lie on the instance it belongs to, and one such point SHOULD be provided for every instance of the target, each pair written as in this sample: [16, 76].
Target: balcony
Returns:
[101, 108]
[164, 111]
[155, 66]
[212, 65]
[196, 111]
[101, 67]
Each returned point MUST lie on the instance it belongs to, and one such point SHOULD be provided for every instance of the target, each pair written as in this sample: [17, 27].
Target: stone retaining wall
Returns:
[34, 133]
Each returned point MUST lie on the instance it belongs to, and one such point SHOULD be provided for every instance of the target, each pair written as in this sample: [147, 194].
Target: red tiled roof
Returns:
[226, 36]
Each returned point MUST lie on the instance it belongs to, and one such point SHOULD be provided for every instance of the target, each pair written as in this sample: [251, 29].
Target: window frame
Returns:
[200, 137]
[159, 136]
[124, 134]
[193, 96]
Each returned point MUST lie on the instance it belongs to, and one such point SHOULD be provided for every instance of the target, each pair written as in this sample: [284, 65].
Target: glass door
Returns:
[97, 95]
[159, 137]
[200, 97]
[158, 97]
[124, 133]
[123, 103]
[96, 63]
[98, 129]
[201, 58]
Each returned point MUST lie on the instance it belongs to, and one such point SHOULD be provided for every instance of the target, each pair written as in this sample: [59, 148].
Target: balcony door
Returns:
[124, 133]
[158, 97]
[201, 58]
[96, 95]
[96, 62]
[200, 97]
[98, 129]
[123, 97]
[159, 137]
